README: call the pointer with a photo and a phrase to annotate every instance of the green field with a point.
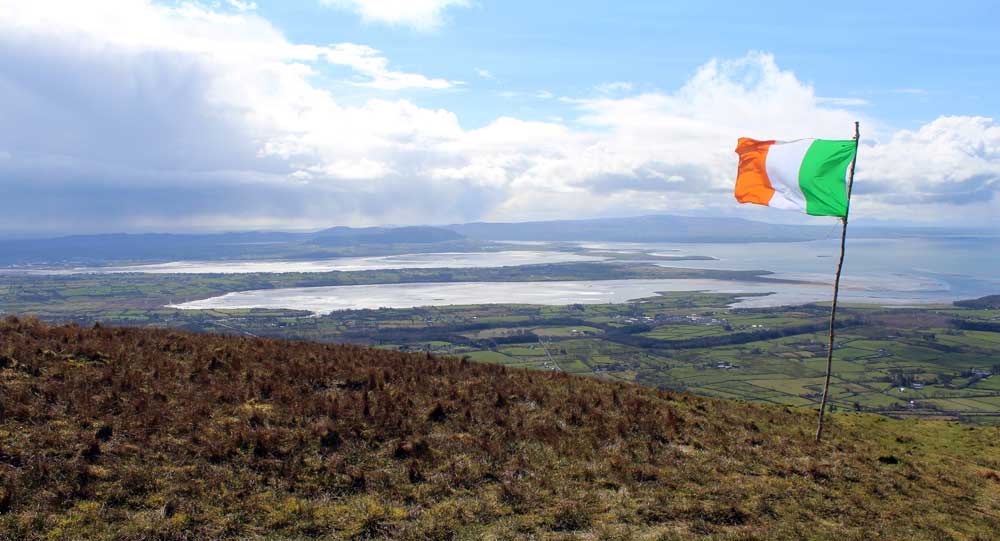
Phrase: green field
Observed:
(682, 341)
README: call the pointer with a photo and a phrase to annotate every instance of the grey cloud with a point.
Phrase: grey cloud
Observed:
(140, 109)
(62, 200)
(972, 190)
(112, 132)
(656, 177)
(106, 138)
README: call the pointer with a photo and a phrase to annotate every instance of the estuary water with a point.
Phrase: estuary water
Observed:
(453, 260)
(934, 269)
(877, 271)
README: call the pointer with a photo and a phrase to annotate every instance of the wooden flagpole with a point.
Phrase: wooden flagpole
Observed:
(836, 286)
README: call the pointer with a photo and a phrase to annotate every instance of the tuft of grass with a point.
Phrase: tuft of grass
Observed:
(113, 433)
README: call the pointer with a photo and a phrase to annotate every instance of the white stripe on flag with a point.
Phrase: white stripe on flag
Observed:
(783, 163)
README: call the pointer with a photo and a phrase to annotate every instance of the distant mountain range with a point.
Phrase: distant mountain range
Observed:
(666, 228)
(340, 241)
(350, 236)
(644, 229)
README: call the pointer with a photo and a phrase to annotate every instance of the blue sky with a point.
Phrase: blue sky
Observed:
(909, 61)
(145, 115)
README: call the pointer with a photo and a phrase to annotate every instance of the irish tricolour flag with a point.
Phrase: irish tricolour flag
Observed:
(808, 175)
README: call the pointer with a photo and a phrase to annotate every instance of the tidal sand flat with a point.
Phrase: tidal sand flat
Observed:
(324, 300)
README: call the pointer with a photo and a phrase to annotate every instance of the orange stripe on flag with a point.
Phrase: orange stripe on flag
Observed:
(752, 184)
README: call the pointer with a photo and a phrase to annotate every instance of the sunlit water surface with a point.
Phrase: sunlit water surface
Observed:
(876, 271)
(454, 260)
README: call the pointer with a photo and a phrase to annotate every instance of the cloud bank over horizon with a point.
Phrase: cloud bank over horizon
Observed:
(128, 115)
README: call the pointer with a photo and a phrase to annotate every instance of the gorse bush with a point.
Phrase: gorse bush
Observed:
(120, 433)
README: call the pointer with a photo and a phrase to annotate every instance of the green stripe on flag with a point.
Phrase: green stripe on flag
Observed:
(822, 176)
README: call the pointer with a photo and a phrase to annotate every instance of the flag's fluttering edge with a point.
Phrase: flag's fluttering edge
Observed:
(809, 175)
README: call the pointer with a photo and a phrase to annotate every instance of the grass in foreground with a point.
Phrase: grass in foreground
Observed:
(112, 433)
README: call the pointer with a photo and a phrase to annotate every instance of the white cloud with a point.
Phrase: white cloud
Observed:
(522, 95)
(419, 14)
(241, 5)
(615, 87)
(370, 62)
(952, 160)
(128, 114)
(670, 152)
(843, 102)
(359, 169)
(484, 73)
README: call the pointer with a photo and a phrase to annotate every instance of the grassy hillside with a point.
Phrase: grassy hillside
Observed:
(149, 434)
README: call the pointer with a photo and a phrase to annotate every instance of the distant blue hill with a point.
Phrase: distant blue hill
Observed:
(666, 228)
(349, 236)
(140, 247)
(657, 228)
(339, 241)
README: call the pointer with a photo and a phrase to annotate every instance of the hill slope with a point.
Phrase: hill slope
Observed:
(348, 236)
(141, 433)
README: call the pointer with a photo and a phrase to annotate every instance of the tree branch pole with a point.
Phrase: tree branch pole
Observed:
(836, 286)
